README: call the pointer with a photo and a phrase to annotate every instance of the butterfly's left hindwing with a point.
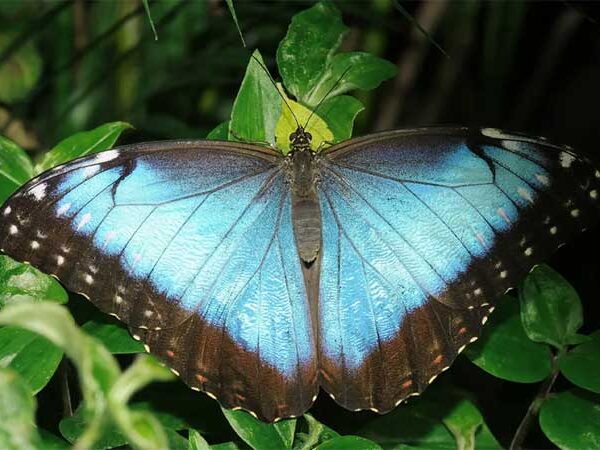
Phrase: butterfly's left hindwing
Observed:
(190, 244)
(422, 232)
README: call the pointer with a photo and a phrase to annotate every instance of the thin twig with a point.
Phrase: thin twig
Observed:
(429, 16)
(534, 408)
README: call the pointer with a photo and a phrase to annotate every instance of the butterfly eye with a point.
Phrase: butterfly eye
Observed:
(293, 136)
(308, 136)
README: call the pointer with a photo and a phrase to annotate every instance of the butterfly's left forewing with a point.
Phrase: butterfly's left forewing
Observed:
(190, 244)
(422, 231)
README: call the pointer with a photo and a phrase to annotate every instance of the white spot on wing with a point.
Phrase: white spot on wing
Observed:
(575, 213)
(502, 213)
(503, 274)
(566, 159)
(106, 156)
(528, 251)
(13, 229)
(594, 194)
(63, 209)
(84, 220)
(39, 192)
(35, 245)
(60, 260)
(118, 299)
(553, 230)
(91, 170)
(7, 210)
(543, 179)
(524, 193)
(88, 278)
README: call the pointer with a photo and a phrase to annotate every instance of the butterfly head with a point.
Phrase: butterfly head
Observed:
(300, 140)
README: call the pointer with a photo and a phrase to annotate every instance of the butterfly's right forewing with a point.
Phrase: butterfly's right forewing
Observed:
(191, 244)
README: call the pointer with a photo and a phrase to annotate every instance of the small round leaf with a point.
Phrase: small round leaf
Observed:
(505, 351)
(582, 364)
(571, 420)
(550, 308)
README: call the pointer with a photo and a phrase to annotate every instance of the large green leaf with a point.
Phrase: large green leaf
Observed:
(312, 38)
(571, 420)
(346, 72)
(260, 435)
(505, 351)
(30, 355)
(21, 282)
(582, 364)
(550, 308)
(17, 408)
(257, 107)
(20, 72)
(339, 114)
(15, 167)
(81, 144)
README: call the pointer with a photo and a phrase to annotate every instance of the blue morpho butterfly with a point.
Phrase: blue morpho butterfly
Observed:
(364, 268)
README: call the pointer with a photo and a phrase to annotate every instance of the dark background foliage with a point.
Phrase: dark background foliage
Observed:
(525, 66)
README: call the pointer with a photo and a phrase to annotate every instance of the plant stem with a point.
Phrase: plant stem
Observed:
(534, 407)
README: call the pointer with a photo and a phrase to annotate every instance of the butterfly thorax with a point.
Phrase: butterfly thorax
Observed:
(303, 174)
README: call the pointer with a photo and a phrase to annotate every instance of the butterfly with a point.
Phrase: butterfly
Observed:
(363, 268)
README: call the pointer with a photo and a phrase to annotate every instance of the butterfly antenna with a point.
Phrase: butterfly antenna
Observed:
(327, 95)
(276, 88)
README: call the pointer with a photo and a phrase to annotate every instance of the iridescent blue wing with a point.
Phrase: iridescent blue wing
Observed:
(423, 230)
(191, 244)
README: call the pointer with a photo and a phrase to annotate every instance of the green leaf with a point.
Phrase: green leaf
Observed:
(81, 144)
(51, 442)
(349, 71)
(73, 427)
(21, 282)
(149, 15)
(113, 335)
(425, 423)
(582, 364)
(464, 421)
(20, 72)
(339, 114)
(17, 408)
(15, 168)
(571, 420)
(34, 358)
(348, 443)
(288, 123)
(260, 435)
(312, 38)
(197, 442)
(97, 369)
(235, 20)
(505, 351)
(257, 106)
(220, 132)
(550, 308)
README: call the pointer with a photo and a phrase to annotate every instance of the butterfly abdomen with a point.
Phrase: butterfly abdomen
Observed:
(305, 206)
